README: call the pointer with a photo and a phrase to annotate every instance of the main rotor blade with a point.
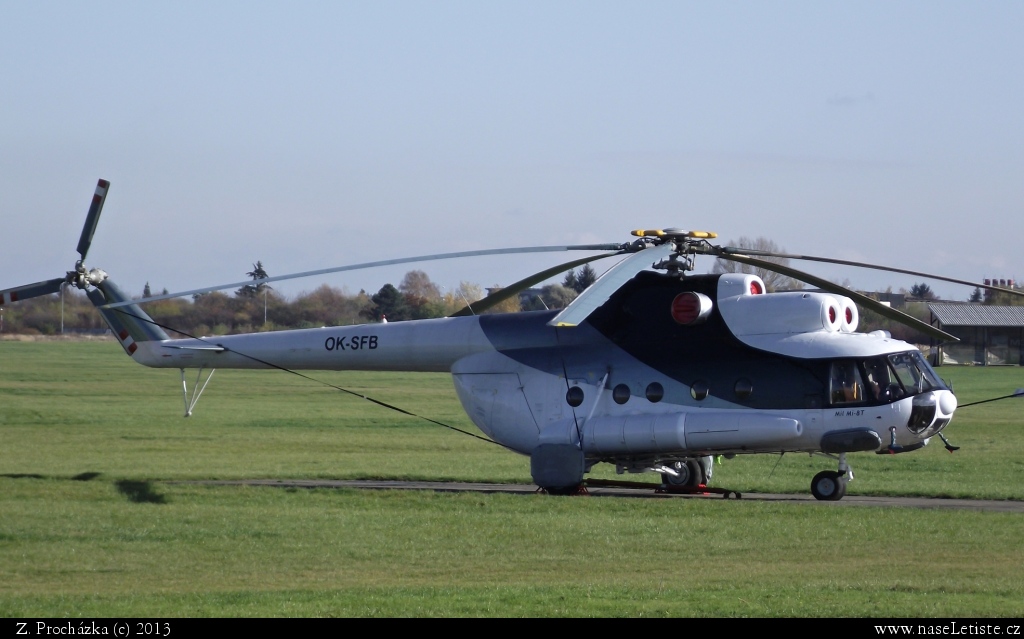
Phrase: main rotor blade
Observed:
(30, 290)
(498, 297)
(365, 265)
(864, 300)
(730, 250)
(599, 292)
(93, 218)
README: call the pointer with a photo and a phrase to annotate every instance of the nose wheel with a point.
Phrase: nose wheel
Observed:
(830, 485)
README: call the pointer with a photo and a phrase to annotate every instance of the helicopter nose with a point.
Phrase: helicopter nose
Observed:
(931, 412)
(947, 402)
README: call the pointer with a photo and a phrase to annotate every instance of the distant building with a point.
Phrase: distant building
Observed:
(895, 300)
(989, 335)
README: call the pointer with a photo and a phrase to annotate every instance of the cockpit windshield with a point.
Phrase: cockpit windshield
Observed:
(879, 380)
(914, 372)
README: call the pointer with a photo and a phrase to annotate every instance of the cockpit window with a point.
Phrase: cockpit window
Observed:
(880, 380)
(914, 372)
(847, 385)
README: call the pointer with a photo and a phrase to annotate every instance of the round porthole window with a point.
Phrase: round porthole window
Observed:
(574, 396)
(699, 390)
(620, 394)
(655, 392)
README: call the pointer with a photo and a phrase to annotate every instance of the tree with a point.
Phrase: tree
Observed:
(252, 290)
(387, 302)
(772, 280)
(214, 312)
(922, 292)
(418, 284)
(976, 297)
(146, 292)
(460, 298)
(557, 296)
(511, 305)
(422, 296)
(585, 278)
(325, 306)
(580, 281)
(570, 280)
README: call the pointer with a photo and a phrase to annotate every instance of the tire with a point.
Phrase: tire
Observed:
(828, 486)
(691, 475)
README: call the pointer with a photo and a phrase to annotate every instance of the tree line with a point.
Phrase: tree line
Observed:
(258, 307)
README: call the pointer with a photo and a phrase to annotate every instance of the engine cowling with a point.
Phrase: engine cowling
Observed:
(796, 312)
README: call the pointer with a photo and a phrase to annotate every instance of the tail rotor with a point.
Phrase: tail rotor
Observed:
(80, 276)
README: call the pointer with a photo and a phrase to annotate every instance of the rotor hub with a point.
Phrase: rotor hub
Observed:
(83, 279)
(687, 245)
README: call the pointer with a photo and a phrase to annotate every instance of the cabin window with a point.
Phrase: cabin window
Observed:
(699, 390)
(847, 385)
(655, 392)
(574, 396)
(744, 388)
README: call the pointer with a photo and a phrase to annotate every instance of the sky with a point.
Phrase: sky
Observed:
(308, 135)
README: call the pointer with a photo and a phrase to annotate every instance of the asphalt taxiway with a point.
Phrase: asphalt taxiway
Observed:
(634, 491)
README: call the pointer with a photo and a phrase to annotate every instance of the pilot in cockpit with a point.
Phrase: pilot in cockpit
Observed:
(846, 384)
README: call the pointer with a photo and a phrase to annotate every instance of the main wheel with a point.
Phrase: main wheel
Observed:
(691, 475)
(828, 486)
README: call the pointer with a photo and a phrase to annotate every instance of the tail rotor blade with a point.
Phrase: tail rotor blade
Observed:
(30, 290)
(93, 218)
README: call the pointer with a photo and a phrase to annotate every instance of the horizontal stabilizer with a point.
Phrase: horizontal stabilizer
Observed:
(215, 349)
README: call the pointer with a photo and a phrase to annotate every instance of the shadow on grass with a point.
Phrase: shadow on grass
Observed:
(86, 476)
(140, 492)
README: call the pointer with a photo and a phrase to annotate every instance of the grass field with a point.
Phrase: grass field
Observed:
(92, 522)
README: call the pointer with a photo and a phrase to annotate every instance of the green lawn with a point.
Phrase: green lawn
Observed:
(92, 523)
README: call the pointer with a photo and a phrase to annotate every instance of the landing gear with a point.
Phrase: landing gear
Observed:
(828, 485)
(197, 390)
(689, 474)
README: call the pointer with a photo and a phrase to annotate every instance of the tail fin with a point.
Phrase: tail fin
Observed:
(129, 323)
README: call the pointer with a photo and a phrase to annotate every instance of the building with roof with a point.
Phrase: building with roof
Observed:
(989, 335)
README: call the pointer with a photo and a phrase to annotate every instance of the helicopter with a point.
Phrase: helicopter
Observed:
(653, 368)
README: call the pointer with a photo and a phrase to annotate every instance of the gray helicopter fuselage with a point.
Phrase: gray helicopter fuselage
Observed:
(631, 382)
